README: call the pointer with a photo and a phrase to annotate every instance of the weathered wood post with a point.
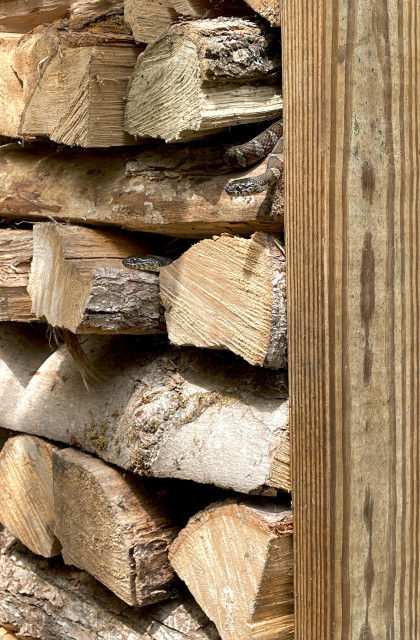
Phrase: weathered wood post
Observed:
(351, 87)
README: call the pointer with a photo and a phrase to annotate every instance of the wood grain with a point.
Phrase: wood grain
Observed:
(351, 78)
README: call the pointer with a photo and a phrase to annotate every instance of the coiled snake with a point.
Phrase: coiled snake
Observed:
(245, 155)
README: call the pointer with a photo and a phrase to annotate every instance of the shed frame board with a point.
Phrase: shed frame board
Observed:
(351, 116)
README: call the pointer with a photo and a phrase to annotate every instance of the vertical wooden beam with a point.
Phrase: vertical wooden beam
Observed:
(352, 105)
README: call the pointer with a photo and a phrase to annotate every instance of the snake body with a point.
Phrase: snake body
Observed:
(270, 141)
(147, 263)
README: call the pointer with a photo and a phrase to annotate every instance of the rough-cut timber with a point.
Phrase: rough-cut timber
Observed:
(236, 558)
(149, 19)
(170, 190)
(74, 86)
(352, 131)
(268, 9)
(100, 16)
(24, 15)
(26, 493)
(199, 415)
(77, 282)
(113, 526)
(202, 77)
(230, 293)
(16, 250)
(44, 599)
(11, 94)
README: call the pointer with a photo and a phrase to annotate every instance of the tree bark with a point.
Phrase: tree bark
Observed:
(78, 282)
(202, 77)
(168, 190)
(251, 600)
(74, 86)
(11, 97)
(44, 599)
(148, 20)
(16, 249)
(230, 293)
(26, 493)
(114, 526)
(99, 16)
(20, 17)
(161, 412)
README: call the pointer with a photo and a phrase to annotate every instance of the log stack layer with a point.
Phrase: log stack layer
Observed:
(144, 477)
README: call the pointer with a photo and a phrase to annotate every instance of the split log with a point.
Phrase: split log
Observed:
(268, 9)
(202, 77)
(169, 190)
(100, 16)
(236, 558)
(24, 15)
(26, 493)
(113, 526)
(16, 250)
(230, 293)
(6, 634)
(78, 282)
(203, 416)
(149, 19)
(11, 95)
(44, 599)
(74, 86)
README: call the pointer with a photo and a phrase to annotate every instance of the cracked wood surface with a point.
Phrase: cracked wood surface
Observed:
(154, 410)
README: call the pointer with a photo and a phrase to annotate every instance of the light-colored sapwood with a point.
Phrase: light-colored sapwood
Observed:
(16, 250)
(236, 558)
(149, 19)
(26, 493)
(114, 526)
(24, 15)
(74, 86)
(199, 415)
(230, 293)
(168, 190)
(11, 94)
(268, 9)
(48, 600)
(203, 76)
(78, 282)
(100, 16)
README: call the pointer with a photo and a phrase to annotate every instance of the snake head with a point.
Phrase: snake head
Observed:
(244, 187)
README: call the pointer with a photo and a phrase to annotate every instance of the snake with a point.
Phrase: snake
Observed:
(269, 141)
(147, 263)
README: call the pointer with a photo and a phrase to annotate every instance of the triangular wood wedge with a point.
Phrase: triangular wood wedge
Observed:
(23, 15)
(230, 293)
(202, 77)
(26, 493)
(236, 558)
(113, 526)
(74, 86)
(78, 282)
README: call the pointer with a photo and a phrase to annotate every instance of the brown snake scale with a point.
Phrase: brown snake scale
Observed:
(270, 141)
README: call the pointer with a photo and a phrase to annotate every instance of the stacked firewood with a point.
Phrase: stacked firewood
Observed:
(144, 438)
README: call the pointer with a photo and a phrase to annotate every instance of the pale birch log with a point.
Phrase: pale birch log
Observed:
(230, 293)
(74, 86)
(16, 250)
(169, 190)
(149, 19)
(114, 526)
(45, 600)
(236, 558)
(78, 282)
(26, 493)
(24, 15)
(11, 94)
(203, 416)
(202, 77)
